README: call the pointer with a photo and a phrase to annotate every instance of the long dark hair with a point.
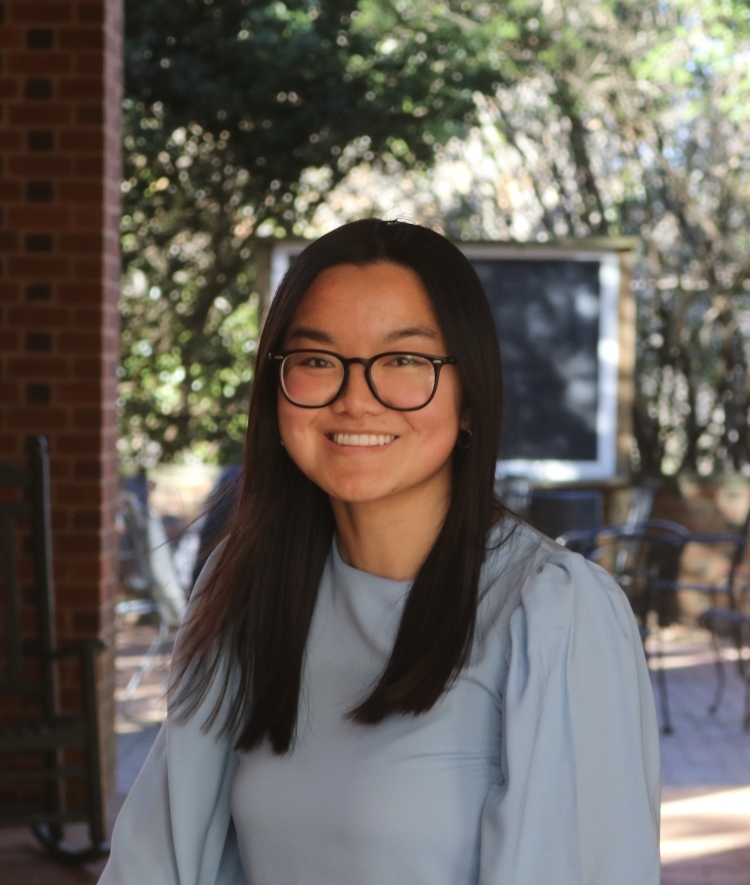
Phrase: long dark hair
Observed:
(250, 623)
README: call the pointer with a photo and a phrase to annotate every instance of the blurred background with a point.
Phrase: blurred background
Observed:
(158, 157)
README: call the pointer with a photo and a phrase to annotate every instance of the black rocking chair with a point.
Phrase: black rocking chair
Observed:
(34, 733)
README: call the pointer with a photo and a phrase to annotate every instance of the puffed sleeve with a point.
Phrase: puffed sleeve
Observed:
(175, 827)
(578, 803)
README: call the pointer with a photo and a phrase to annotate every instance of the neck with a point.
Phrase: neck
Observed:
(392, 537)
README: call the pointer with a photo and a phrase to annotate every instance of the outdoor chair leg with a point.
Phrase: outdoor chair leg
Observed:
(742, 666)
(666, 719)
(720, 677)
(149, 659)
(53, 839)
(661, 678)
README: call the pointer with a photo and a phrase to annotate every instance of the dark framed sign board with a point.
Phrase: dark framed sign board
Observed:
(565, 323)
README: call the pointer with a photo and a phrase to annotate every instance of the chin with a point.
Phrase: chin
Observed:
(358, 494)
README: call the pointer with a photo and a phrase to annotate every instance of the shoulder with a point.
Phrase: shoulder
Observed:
(555, 595)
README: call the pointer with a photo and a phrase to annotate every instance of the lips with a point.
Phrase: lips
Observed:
(362, 439)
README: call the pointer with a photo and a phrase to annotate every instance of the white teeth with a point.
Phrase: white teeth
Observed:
(362, 439)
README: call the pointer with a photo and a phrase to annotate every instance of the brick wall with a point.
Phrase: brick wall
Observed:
(60, 87)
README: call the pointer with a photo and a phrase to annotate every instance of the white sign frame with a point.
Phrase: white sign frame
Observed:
(546, 470)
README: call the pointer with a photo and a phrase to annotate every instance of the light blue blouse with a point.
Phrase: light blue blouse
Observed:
(540, 766)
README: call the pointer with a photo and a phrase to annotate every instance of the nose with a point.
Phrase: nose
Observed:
(357, 398)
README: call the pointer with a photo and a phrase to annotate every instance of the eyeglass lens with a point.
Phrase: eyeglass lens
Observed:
(402, 381)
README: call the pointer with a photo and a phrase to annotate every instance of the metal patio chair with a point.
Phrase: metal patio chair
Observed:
(728, 616)
(148, 571)
(644, 558)
(35, 734)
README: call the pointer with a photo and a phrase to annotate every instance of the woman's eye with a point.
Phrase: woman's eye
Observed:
(317, 363)
(406, 360)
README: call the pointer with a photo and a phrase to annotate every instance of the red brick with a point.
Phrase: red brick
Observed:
(11, 38)
(89, 63)
(85, 368)
(36, 63)
(91, 12)
(87, 418)
(88, 470)
(39, 115)
(89, 115)
(85, 571)
(33, 367)
(78, 494)
(25, 11)
(9, 291)
(87, 270)
(80, 392)
(10, 190)
(10, 392)
(81, 191)
(9, 140)
(87, 520)
(43, 166)
(79, 444)
(8, 88)
(42, 217)
(59, 520)
(37, 266)
(84, 540)
(8, 241)
(81, 140)
(86, 88)
(90, 318)
(89, 216)
(8, 445)
(80, 342)
(89, 166)
(87, 623)
(79, 543)
(9, 340)
(81, 242)
(82, 38)
(59, 468)
(81, 293)
(37, 419)
(41, 316)
(72, 596)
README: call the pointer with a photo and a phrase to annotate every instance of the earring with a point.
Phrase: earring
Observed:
(464, 439)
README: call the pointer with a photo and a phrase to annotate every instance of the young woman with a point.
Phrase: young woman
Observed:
(384, 678)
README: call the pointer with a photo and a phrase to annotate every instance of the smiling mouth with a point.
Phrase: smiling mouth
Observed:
(362, 439)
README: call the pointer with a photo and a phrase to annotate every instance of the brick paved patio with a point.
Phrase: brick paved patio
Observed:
(705, 770)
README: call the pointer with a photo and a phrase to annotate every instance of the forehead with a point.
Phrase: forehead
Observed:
(378, 297)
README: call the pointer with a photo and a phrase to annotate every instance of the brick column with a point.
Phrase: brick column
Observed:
(60, 90)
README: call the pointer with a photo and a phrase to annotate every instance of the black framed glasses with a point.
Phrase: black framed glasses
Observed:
(398, 380)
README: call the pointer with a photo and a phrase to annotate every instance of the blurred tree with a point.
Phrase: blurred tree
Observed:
(633, 117)
(532, 120)
(241, 115)
(635, 121)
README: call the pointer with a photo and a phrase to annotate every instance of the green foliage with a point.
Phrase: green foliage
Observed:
(526, 120)
(632, 119)
(240, 117)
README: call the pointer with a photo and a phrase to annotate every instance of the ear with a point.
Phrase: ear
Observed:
(464, 422)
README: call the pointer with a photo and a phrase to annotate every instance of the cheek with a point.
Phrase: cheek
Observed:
(292, 422)
(438, 427)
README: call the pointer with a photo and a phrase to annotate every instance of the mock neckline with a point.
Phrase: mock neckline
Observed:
(351, 574)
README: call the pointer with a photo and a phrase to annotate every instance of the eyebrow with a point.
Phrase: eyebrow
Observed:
(411, 332)
(321, 337)
(311, 334)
